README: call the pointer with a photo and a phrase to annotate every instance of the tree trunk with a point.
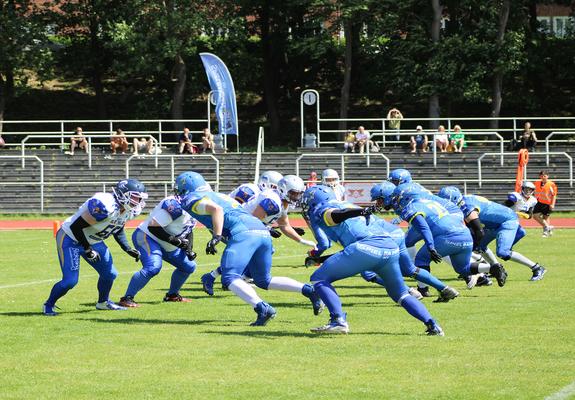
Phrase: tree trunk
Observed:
(179, 79)
(97, 67)
(498, 71)
(346, 87)
(271, 71)
(2, 100)
(434, 108)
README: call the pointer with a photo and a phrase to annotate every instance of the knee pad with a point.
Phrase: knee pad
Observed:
(109, 276)
(368, 276)
(400, 300)
(187, 268)
(151, 272)
(69, 283)
(263, 283)
(504, 255)
(414, 273)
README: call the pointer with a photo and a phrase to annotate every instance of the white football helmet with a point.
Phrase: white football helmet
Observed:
(330, 177)
(269, 180)
(527, 188)
(291, 189)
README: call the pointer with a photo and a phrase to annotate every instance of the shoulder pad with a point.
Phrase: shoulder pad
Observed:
(269, 206)
(173, 207)
(97, 209)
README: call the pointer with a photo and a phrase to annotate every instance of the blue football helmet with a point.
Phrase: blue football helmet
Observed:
(399, 176)
(131, 195)
(382, 194)
(452, 194)
(315, 196)
(190, 181)
(405, 193)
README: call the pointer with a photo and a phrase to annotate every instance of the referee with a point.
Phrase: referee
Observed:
(546, 195)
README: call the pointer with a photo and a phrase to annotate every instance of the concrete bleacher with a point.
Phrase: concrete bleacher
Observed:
(69, 181)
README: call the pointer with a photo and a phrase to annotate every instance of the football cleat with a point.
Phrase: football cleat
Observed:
(49, 310)
(315, 302)
(538, 273)
(484, 280)
(433, 328)
(471, 280)
(335, 325)
(499, 273)
(424, 291)
(265, 313)
(415, 293)
(447, 294)
(109, 305)
(208, 283)
(128, 301)
(176, 298)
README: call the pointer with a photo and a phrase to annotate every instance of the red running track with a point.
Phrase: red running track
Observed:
(299, 222)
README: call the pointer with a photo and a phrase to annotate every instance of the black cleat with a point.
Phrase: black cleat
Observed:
(499, 273)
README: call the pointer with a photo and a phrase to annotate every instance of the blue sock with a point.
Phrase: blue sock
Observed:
(219, 269)
(416, 308)
(104, 287)
(178, 279)
(329, 297)
(424, 276)
(58, 291)
(138, 281)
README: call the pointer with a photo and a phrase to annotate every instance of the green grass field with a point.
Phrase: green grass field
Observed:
(514, 342)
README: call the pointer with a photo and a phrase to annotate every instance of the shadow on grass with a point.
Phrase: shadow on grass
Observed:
(136, 321)
(39, 313)
(271, 334)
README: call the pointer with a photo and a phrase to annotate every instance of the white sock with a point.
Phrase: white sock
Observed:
(483, 267)
(475, 257)
(521, 259)
(285, 284)
(412, 252)
(448, 260)
(215, 273)
(489, 256)
(245, 292)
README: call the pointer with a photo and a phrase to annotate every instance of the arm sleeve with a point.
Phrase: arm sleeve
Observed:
(419, 223)
(340, 215)
(476, 231)
(77, 229)
(160, 233)
(508, 203)
(122, 240)
(323, 242)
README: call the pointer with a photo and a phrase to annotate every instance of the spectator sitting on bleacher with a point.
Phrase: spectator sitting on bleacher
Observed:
(207, 141)
(143, 145)
(78, 140)
(441, 139)
(349, 144)
(185, 141)
(457, 139)
(528, 139)
(119, 141)
(419, 141)
(394, 117)
(362, 138)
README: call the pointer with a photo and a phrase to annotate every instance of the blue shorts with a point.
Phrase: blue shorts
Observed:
(458, 247)
(506, 235)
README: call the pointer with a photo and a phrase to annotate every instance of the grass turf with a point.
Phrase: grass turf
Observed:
(512, 342)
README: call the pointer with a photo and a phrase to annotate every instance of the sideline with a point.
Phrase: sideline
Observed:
(302, 256)
(565, 393)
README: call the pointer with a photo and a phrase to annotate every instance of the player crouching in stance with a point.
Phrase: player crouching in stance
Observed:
(366, 247)
(165, 235)
(83, 235)
(248, 245)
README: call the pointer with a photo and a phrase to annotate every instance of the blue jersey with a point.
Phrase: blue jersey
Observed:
(350, 230)
(491, 214)
(439, 219)
(236, 219)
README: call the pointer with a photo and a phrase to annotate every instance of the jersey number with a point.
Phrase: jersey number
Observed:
(107, 231)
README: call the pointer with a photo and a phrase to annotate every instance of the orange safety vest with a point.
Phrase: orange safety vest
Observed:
(545, 193)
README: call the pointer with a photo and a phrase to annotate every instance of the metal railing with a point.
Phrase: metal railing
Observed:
(569, 158)
(172, 165)
(548, 139)
(30, 183)
(342, 160)
(260, 150)
(24, 143)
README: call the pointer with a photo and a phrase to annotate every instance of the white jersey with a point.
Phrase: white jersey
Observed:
(245, 192)
(270, 201)
(170, 215)
(106, 211)
(339, 191)
(521, 204)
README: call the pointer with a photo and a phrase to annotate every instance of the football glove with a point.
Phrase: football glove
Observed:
(435, 256)
(211, 246)
(299, 231)
(92, 255)
(134, 254)
(275, 233)
(191, 254)
(367, 211)
(182, 243)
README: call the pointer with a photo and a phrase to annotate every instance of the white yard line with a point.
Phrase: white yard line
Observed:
(119, 273)
(565, 393)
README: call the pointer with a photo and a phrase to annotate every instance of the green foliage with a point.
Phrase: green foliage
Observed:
(206, 350)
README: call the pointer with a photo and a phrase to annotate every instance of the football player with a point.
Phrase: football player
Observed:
(330, 178)
(399, 176)
(248, 245)
(524, 202)
(166, 235)
(82, 236)
(366, 247)
(500, 224)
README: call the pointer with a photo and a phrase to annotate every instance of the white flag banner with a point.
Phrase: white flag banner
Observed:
(358, 192)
